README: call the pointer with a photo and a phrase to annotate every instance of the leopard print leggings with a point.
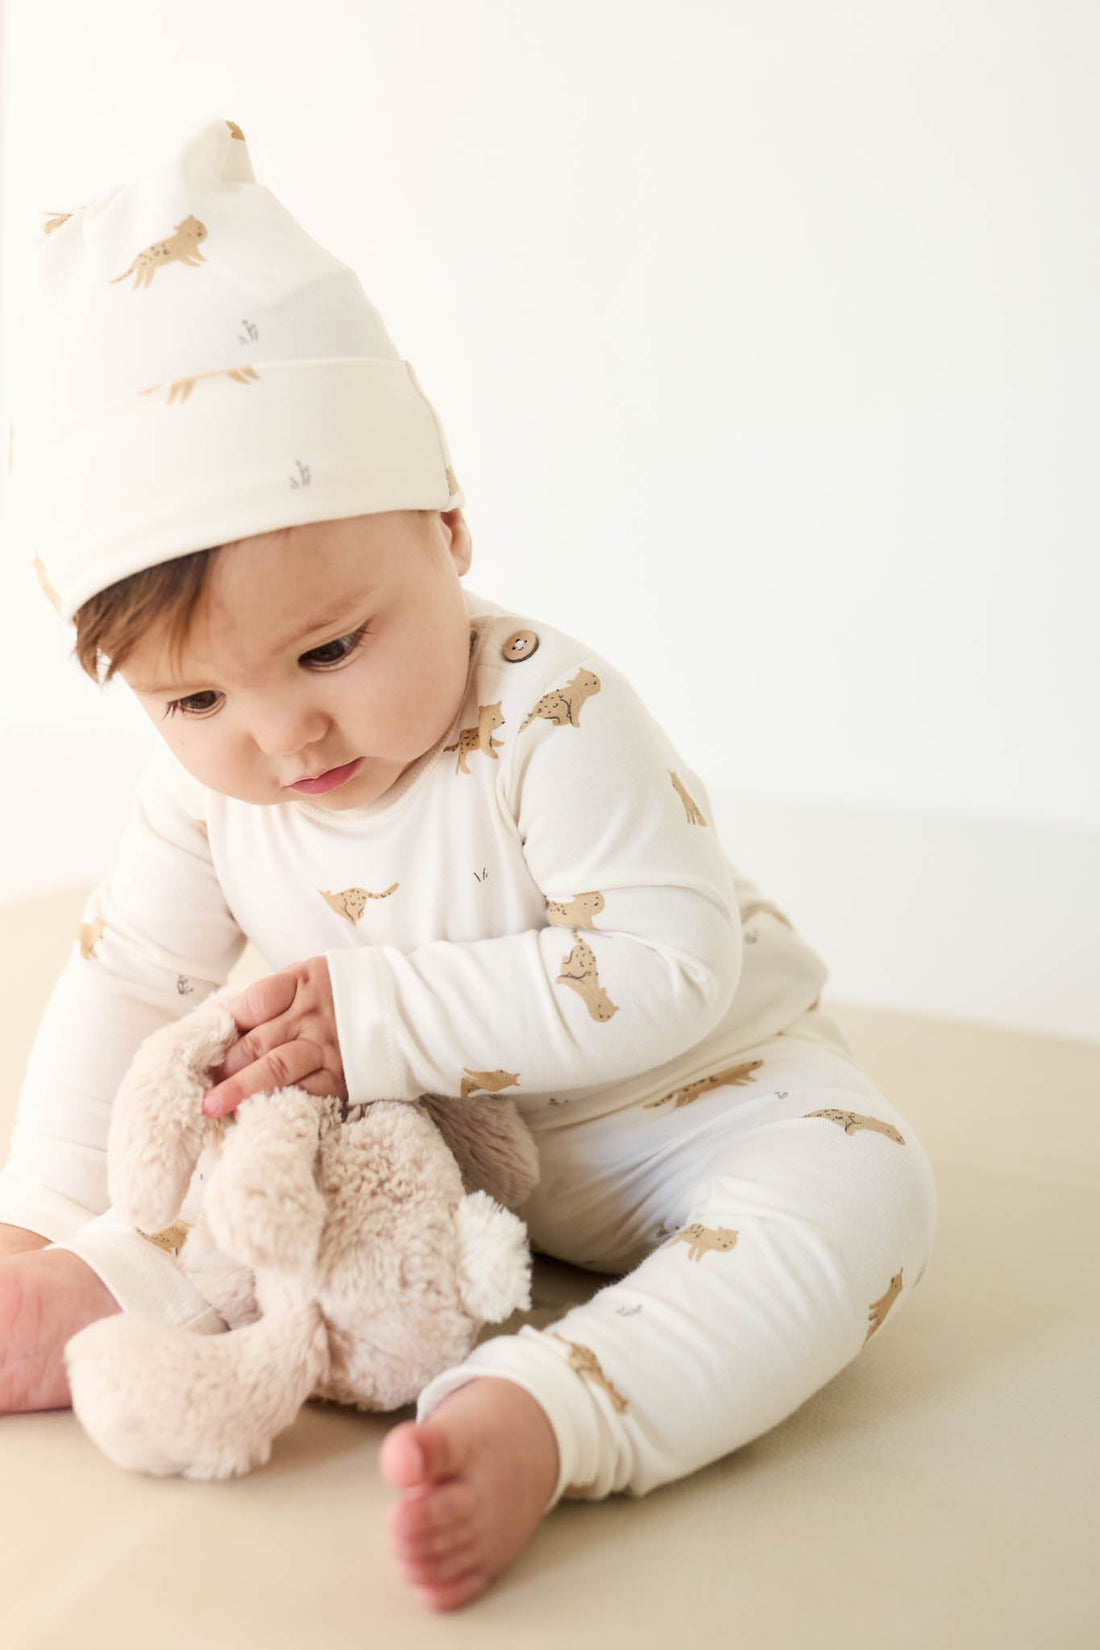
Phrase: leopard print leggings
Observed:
(757, 1237)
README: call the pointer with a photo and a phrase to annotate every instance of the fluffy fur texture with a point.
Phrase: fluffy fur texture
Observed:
(352, 1250)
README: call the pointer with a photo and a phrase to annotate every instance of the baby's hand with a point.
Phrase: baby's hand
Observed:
(290, 1020)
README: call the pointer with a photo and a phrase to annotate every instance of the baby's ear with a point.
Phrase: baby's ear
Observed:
(157, 1130)
(494, 1264)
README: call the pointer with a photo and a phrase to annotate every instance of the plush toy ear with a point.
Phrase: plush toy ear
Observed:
(157, 1130)
(494, 1266)
(490, 1142)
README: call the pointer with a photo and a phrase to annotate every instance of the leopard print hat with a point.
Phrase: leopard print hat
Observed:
(193, 367)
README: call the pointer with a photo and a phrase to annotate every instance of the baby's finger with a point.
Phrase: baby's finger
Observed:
(251, 1047)
(263, 1000)
(275, 1070)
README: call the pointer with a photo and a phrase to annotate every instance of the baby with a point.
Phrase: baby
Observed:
(474, 859)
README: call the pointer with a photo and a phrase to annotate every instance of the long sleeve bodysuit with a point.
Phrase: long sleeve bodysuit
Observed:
(539, 907)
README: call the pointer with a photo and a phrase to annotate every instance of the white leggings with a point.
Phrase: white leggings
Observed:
(768, 1228)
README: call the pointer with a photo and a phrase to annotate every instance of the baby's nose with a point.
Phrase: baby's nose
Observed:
(289, 732)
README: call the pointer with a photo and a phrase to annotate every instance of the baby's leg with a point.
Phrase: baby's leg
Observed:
(773, 1244)
(16, 1240)
(51, 1291)
(46, 1296)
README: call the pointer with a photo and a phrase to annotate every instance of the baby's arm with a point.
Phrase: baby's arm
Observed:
(155, 939)
(641, 949)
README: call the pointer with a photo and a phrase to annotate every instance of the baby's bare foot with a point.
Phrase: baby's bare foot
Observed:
(46, 1295)
(476, 1477)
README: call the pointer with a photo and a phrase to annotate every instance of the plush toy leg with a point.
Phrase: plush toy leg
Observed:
(262, 1201)
(491, 1143)
(228, 1286)
(164, 1400)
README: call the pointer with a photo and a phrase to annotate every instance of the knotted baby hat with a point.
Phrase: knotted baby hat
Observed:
(195, 368)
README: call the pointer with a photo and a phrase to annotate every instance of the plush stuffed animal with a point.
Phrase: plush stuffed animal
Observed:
(353, 1250)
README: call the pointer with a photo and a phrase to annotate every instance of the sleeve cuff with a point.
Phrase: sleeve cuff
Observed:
(364, 998)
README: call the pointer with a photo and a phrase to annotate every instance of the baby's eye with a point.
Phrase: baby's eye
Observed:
(352, 640)
(190, 705)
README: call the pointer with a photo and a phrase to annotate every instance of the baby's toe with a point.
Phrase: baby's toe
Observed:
(415, 1452)
(442, 1567)
(451, 1595)
(429, 1523)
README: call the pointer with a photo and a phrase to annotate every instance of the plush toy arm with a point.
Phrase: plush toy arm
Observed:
(494, 1267)
(490, 1142)
(262, 1203)
(157, 1130)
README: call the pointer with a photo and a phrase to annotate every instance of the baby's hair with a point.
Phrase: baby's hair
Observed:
(115, 621)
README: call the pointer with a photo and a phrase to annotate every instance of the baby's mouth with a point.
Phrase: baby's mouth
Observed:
(328, 780)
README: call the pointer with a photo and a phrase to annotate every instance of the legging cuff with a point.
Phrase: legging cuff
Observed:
(144, 1279)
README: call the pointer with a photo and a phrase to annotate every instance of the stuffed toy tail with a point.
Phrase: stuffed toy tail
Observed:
(494, 1265)
(163, 1400)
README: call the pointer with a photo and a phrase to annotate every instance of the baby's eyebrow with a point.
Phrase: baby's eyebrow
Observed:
(318, 624)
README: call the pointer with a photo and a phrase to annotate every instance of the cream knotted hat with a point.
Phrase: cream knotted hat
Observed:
(196, 368)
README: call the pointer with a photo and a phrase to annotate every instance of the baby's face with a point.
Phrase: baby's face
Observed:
(272, 687)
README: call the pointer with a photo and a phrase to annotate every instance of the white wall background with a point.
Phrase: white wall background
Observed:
(766, 342)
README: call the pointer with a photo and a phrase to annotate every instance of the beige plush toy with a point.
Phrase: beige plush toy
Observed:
(353, 1250)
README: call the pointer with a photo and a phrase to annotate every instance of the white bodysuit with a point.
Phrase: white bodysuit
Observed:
(539, 907)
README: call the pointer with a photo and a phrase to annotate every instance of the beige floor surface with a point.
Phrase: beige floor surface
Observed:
(941, 1491)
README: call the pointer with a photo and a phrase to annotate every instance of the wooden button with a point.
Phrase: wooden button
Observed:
(520, 645)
